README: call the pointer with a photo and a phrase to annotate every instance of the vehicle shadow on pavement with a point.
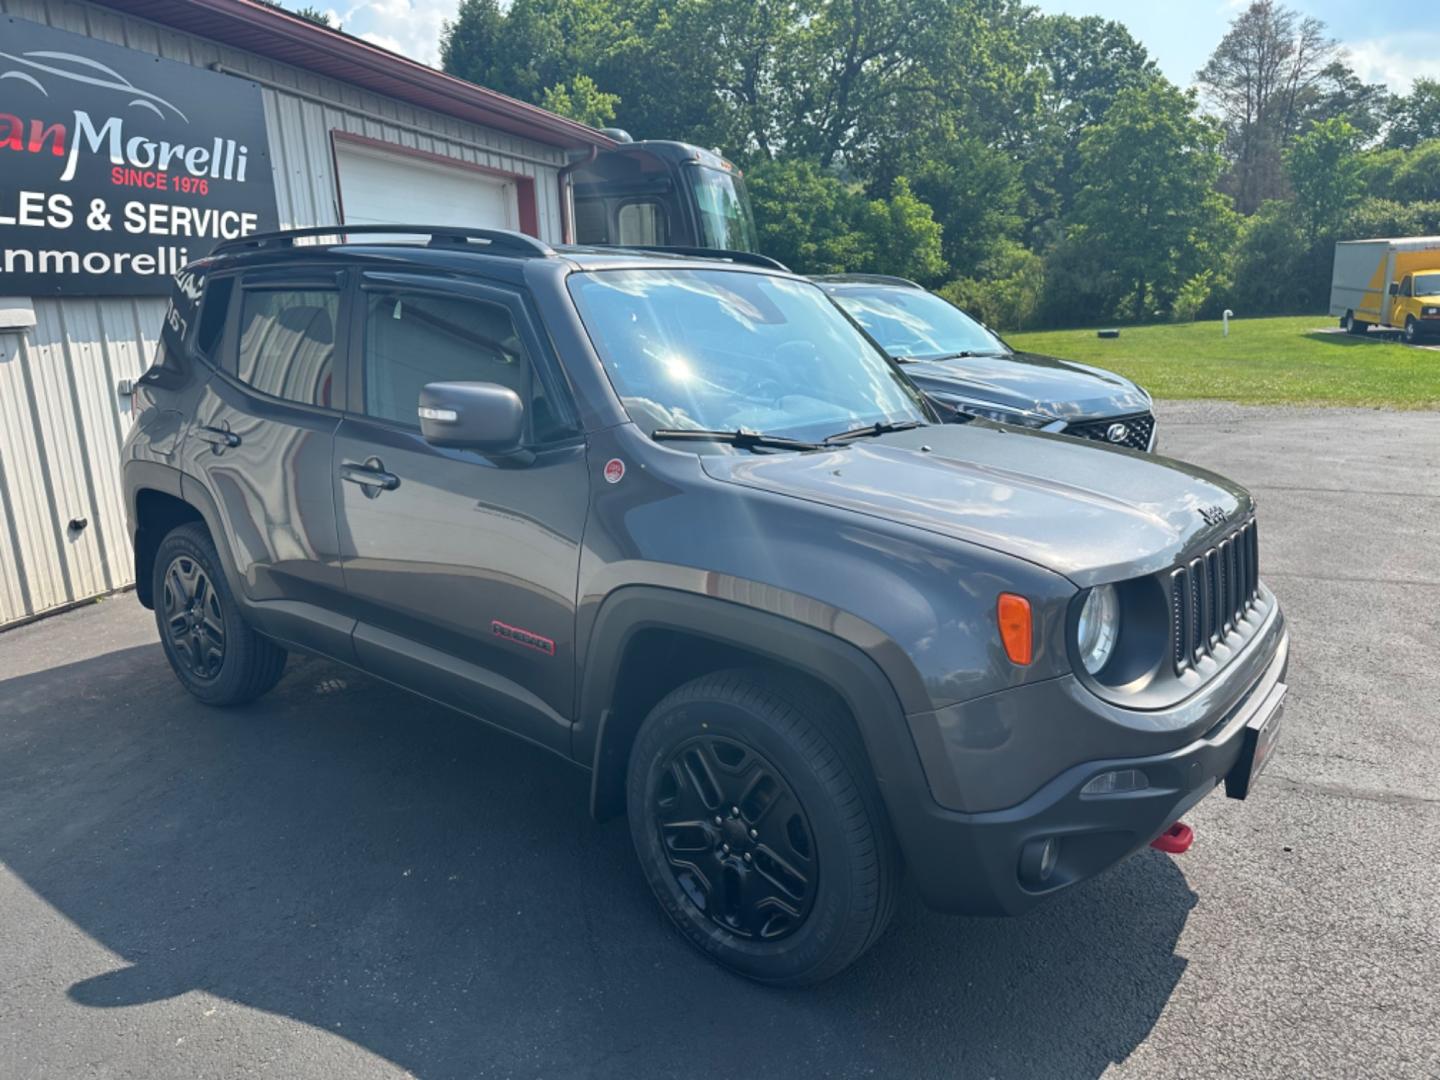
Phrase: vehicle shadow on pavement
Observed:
(351, 857)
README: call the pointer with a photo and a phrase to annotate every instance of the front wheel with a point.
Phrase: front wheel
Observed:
(759, 828)
(213, 651)
(1411, 330)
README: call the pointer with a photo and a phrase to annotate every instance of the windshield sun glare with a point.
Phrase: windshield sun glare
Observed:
(725, 350)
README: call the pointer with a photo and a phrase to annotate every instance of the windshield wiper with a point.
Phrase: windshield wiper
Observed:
(963, 354)
(745, 440)
(883, 427)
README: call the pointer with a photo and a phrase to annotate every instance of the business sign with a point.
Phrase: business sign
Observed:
(117, 167)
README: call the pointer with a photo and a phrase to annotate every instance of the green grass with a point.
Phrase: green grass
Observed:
(1281, 361)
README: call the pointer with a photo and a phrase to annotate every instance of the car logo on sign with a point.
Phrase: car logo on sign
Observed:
(1117, 433)
(1213, 515)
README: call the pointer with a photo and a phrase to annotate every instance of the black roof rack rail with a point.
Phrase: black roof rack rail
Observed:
(440, 236)
(862, 279)
(748, 257)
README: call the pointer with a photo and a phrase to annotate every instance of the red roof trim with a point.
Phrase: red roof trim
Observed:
(279, 35)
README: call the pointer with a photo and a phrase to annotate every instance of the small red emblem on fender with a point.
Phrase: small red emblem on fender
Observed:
(614, 471)
(522, 637)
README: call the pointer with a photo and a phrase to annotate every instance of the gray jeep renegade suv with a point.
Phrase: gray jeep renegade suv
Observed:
(677, 520)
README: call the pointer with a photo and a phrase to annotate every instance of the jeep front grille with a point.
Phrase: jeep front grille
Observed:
(1139, 430)
(1212, 593)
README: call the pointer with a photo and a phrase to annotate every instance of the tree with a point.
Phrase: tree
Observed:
(1327, 175)
(977, 191)
(1147, 209)
(1417, 179)
(580, 99)
(1269, 262)
(1259, 77)
(904, 236)
(471, 44)
(1415, 117)
(314, 14)
(1341, 94)
(817, 223)
(1086, 63)
(1006, 290)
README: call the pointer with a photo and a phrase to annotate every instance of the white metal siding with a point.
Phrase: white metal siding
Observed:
(61, 418)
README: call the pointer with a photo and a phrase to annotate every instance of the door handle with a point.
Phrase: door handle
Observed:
(219, 438)
(371, 476)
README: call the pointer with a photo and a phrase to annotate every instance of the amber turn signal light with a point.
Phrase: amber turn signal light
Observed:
(1016, 631)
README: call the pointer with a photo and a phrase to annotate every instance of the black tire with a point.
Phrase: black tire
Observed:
(1353, 325)
(1412, 332)
(212, 650)
(818, 914)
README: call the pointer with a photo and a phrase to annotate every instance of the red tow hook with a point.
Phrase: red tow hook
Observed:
(1175, 840)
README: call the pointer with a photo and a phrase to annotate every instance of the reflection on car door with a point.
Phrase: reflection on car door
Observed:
(262, 442)
(461, 568)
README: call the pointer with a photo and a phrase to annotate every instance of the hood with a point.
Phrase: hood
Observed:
(1086, 510)
(1057, 388)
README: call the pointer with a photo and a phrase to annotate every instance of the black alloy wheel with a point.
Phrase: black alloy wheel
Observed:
(759, 826)
(736, 838)
(214, 652)
(194, 618)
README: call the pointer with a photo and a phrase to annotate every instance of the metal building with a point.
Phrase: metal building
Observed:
(351, 134)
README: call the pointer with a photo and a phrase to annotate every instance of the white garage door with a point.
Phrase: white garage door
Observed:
(377, 188)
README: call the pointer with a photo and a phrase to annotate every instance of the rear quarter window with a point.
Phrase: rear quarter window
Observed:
(287, 343)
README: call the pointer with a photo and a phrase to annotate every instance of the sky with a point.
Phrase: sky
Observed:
(1391, 43)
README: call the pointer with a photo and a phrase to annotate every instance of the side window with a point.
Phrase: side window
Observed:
(287, 343)
(590, 224)
(213, 309)
(642, 223)
(412, 339)
(1405, 286)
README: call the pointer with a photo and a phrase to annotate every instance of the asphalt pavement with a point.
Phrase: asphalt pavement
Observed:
(342, 880)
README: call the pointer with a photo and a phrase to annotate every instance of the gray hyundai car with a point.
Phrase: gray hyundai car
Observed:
(678, 521)
(967, 367)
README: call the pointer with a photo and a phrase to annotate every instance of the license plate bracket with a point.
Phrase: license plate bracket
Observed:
(1259, 738)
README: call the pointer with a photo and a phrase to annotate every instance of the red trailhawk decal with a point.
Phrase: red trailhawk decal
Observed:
(614, 470)
(538, 642)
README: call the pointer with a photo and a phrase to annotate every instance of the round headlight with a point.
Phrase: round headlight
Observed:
(1099, 627)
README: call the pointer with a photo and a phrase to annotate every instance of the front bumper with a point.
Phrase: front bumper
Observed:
(971, 862)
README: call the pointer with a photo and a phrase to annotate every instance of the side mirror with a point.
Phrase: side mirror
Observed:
(1394, 288)
(472, 416)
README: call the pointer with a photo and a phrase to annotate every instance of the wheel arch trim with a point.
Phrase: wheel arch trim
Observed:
(602, 739)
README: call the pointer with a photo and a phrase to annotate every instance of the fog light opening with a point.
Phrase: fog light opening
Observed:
(1117, 782)
(1038, 859)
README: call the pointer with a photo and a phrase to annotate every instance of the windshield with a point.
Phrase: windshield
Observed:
(725, 220)
(722, 349)
(1427, 284)
(912, 324)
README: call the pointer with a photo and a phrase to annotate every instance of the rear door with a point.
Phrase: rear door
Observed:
(262, 441)
(460, 568)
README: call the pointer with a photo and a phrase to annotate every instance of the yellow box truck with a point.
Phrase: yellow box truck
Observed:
(1391, 284)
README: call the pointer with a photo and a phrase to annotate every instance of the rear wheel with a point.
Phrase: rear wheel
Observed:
(1353, 325)
(212, 650)
(759, 828)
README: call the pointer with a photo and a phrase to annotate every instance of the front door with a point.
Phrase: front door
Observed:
(461, 568)
(262, 442)
(1400, 303)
